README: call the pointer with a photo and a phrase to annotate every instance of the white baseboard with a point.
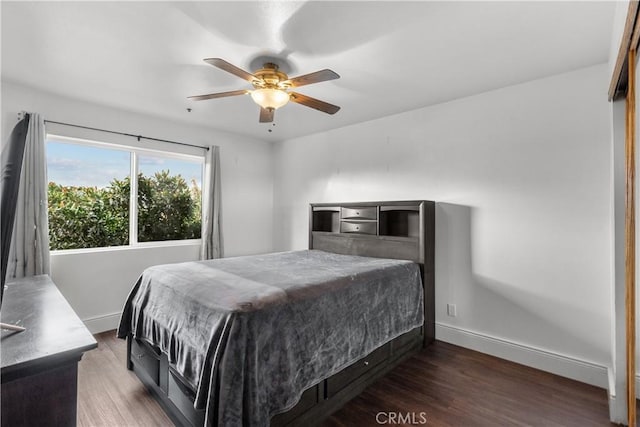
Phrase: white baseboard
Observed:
(566, 366)
(103, 323)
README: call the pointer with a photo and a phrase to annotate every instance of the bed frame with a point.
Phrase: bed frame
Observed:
(399, 230)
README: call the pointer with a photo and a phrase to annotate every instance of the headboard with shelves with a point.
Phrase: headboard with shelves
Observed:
(390, 229)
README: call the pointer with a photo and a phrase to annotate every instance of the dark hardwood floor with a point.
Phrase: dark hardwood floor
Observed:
(444, 385)
(454, 386)
(109, 394)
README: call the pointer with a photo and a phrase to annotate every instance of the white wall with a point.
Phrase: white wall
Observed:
(96, 284)
(617, 31)
(523, 222)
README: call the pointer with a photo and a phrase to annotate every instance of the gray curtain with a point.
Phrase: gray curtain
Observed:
(211, 207)
(29, 253)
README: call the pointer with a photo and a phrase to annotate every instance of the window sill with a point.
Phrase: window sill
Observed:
(137, 246)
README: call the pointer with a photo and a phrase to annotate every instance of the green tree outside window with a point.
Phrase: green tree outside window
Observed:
(91, 217)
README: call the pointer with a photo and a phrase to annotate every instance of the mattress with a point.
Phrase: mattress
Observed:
(250, 334)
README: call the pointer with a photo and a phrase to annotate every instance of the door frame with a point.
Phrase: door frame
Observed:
(623, 84)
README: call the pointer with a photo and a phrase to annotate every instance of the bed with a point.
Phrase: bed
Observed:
(286, 338)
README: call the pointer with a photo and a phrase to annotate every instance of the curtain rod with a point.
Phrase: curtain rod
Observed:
(139, 137)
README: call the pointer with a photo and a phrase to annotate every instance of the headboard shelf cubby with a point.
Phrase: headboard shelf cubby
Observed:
(394, 229)
(326, 218)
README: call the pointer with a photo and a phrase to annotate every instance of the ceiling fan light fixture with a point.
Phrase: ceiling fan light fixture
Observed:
(270, 98)
(271, 86)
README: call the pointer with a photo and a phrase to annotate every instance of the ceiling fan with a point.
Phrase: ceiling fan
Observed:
(271, 88)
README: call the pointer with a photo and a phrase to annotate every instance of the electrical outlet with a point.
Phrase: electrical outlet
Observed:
(451, 310)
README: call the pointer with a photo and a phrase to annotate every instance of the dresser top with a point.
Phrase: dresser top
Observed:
(53, 328)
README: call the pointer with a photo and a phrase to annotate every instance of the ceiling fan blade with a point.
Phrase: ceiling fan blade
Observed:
(307, 101)
(266, 115)
(230, 68)
(317, 77)
(219, 95)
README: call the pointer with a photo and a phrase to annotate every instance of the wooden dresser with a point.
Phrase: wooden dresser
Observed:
(39, 371)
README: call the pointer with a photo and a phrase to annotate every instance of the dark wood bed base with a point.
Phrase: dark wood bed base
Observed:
(399, 230)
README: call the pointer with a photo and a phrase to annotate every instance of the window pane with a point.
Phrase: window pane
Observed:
(169, 198)
(88, 196)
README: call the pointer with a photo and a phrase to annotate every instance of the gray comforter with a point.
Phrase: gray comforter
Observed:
(250, 334)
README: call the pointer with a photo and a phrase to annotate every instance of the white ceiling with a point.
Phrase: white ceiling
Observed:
(391, 56)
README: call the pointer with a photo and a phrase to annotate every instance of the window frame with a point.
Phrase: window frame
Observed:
(133, 191)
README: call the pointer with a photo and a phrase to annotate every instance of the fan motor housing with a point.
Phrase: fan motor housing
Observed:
(270, 77)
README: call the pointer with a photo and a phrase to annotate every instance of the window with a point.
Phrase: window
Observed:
(102, 195)
(169, 203)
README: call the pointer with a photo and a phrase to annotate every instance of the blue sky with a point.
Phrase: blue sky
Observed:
(82, 165)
